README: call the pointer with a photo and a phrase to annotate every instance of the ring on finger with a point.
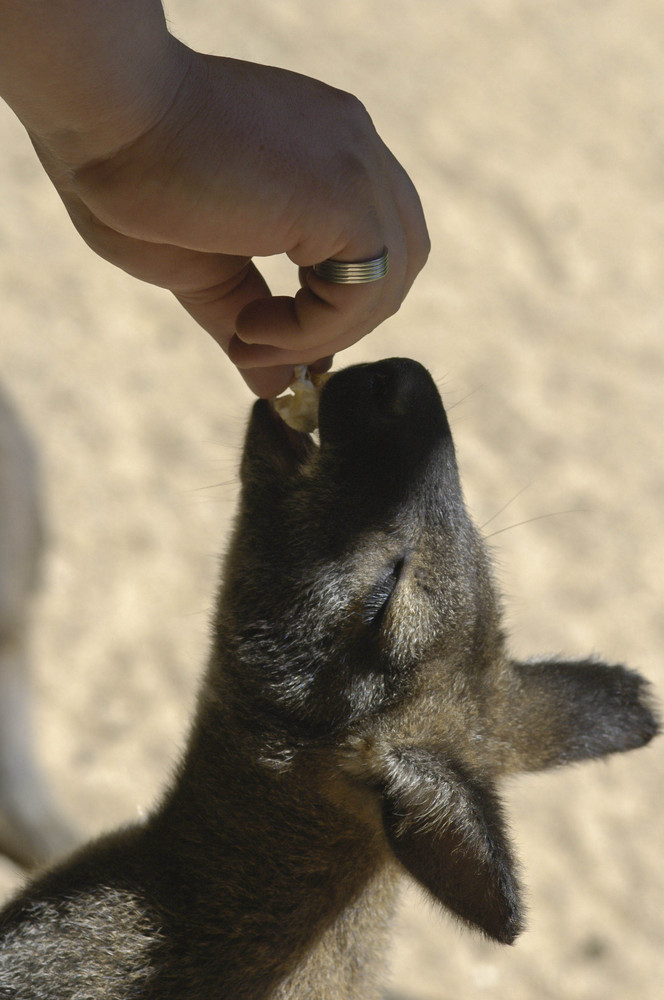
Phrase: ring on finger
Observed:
(344, 272)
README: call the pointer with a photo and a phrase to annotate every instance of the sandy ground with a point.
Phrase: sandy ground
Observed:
(535, 134)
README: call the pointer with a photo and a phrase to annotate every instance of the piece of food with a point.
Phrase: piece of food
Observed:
(299, 407)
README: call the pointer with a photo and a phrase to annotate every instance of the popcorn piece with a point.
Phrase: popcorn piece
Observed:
(299, 408)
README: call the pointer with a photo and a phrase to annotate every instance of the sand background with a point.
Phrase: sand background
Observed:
(535, 134)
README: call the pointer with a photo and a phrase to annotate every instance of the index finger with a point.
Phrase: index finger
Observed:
(320, 313)
(324, 313)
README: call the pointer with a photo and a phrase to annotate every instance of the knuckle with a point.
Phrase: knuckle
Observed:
(355, 114)
(423, 251)
(356, 162)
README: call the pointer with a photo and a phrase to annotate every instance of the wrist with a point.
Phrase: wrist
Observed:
(87, 78)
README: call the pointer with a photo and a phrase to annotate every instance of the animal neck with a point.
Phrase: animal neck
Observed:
(279, 869)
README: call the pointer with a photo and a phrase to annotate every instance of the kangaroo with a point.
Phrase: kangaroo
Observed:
(358, 712)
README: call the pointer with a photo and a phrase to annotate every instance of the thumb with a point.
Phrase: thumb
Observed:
(216, 307)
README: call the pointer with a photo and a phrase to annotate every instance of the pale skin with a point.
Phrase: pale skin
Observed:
(180, 168)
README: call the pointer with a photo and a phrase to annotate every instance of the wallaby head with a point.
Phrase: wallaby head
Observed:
(363, 617)
(358, 713)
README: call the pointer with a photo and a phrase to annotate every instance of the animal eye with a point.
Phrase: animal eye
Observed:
(375, 605)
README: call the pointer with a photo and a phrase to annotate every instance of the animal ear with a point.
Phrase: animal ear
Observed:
(447, 831)
(562, 711)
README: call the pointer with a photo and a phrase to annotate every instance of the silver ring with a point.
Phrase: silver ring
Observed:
(344, 272)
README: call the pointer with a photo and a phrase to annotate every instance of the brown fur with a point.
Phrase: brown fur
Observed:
(359, 710)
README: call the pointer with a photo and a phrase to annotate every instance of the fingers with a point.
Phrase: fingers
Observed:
(363, 202)
(268, 382)
(411, 214)
(202, 281)
(324, 317)
(215, 307)
(215, 303)
(271, 381)
(319, 313)
(213, 288)
(247, 356)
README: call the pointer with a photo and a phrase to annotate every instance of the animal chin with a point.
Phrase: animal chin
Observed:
(296, 444)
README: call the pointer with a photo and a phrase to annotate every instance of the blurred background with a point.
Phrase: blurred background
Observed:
(535, 135)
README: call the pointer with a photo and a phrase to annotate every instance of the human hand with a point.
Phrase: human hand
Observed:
(248, 161)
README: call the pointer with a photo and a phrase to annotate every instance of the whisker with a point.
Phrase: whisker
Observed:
(200, 611)
(539, 517)
(472, 392)
(214, 486)
(506, 505)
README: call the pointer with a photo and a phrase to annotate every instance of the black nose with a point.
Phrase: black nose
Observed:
(367, 406)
